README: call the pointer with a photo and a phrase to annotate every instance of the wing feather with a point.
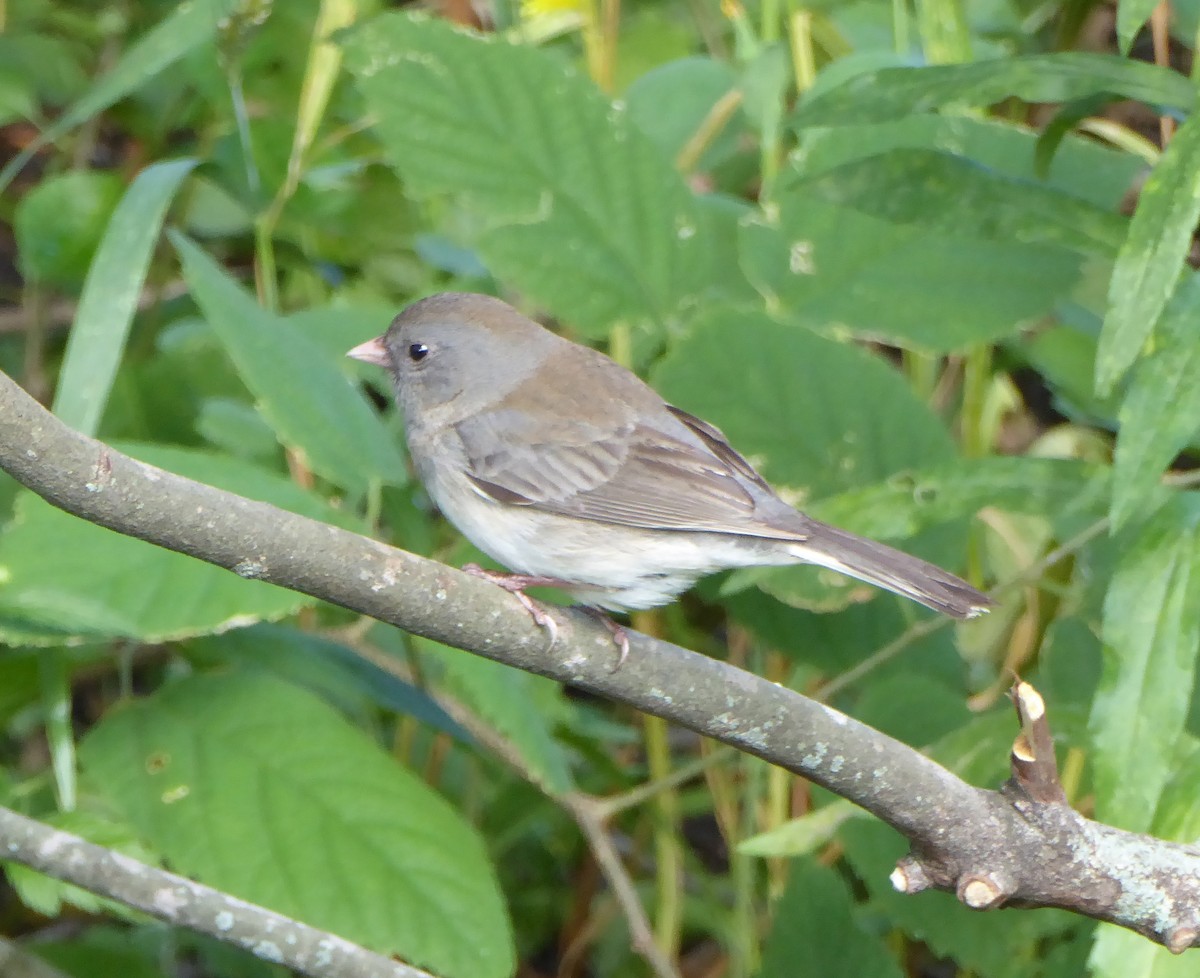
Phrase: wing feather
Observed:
(680, 474)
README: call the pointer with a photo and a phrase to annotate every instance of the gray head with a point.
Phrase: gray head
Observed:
(457, 346)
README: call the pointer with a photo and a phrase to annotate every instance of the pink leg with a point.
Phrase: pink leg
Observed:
(515, 585)
(615, 629)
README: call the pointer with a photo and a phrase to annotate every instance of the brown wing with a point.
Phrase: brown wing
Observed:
(679, 475)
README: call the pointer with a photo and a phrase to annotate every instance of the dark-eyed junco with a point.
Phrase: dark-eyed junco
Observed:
(572, 472)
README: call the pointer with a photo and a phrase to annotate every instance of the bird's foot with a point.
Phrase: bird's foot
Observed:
(515, 585)
(619, 636)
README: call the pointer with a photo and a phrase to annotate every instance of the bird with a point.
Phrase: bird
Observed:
(572, 472)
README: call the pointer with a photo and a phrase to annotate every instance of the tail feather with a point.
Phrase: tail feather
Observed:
(892, 570)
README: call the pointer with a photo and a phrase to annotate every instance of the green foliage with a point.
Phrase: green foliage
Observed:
(53, 591)
(935, 303)
(58, 225)
(1152, 256)
(302, 395)
(581, 210)
(370, 852)
(816, 933)
(110, 294)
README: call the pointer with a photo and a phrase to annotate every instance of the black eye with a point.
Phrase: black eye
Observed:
(418, 352)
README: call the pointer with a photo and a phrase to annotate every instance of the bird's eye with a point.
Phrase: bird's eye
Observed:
(418, 352)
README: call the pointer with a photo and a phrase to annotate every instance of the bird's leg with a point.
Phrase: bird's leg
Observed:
(515, 584)
(619, 636)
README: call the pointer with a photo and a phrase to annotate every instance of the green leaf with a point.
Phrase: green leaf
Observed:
(187, 27)
(303, 394)
(948, 192)
(520, 707)
(815, 415)
(1161, 411)
(1001, 944)
(1120, 953)
(49, 64)
(815, 931)
(19, 682)
(339, 674)
(62, 577)
(17, 98)
(1065, 355)
(886, 94)
(58, 225)
(1153, 255)
(586, 213)
(1178, 815)
(101, 951)
(930, 288)
(886, 705)
(805, 835)
(1131, 17)
(262, 790)
(1151, 633)
(1068, 492)
(671, 103)
(236, 428)
(110, 295)
(1081, 168)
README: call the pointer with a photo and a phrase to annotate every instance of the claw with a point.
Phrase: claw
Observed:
(515, 585)
(619, 636)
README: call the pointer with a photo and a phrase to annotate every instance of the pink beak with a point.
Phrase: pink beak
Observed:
(372, 351)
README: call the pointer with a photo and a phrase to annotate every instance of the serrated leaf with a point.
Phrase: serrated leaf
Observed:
(1153, 255)
(1161, 411)
(110, 295)
(949, 192)
(815, 931)
(1151, 632)
(262, 790)
(587, 214)
(64, 578)
(303, 394)
(1081, 167)
(519, 706)
(187, 27)
(342, 676)
(884, 95)
(840, 269)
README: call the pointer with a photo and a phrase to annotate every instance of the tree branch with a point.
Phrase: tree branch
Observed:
(264, 933)
(988, 847)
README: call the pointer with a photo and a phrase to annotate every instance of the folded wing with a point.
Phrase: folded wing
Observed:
(680, 474)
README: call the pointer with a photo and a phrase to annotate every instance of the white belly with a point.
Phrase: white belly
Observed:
(605, 565)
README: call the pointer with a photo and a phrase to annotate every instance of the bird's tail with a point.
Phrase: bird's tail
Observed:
(891, 569)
